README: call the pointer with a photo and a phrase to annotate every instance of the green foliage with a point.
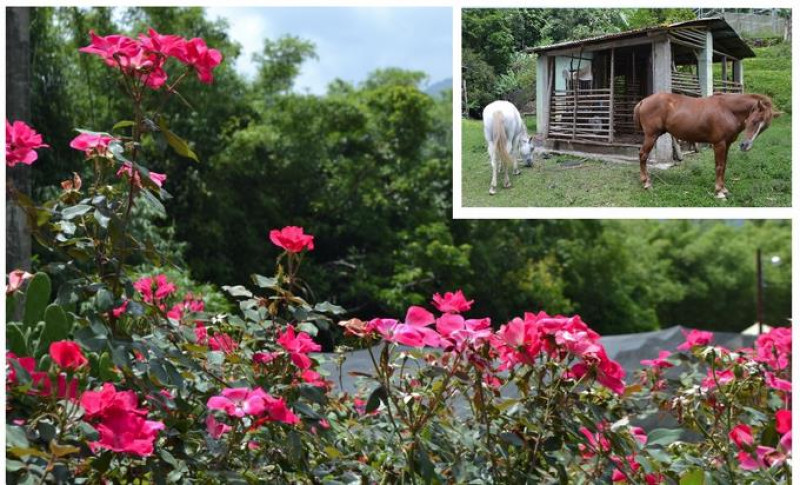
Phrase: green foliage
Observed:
(770, 73)
(279, 63)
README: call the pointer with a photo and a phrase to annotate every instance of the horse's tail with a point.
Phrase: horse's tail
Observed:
(500, 139)
(637, 125)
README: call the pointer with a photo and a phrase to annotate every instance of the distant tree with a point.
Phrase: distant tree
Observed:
(279, 63)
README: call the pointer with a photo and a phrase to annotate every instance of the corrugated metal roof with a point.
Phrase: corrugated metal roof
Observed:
(726, 40)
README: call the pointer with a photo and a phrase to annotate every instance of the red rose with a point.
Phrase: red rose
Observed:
(67, 355)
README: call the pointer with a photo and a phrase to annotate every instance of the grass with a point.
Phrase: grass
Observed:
(759, 178)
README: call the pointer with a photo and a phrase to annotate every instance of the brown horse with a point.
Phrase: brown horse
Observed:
(716, 120)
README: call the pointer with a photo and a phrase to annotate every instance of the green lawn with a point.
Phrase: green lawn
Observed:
(759, 178)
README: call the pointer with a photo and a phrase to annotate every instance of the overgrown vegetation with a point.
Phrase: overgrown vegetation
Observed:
(368, 169)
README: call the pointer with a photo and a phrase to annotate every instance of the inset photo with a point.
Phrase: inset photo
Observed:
(626, 108)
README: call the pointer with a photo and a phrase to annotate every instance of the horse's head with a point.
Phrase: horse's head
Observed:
(526, 150)
(757, 121)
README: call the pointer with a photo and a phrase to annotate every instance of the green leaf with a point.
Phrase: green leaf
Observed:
(36, 299)
(265, 282)
(694, 476)
(238, 291)
(16, 436)
(663, 436)
(74, 211)
(153, 202)
(11, 306)
(378, 395)
(308, 328)
(122, 124)
(23, 452)
(56, 327)
(326, 307)
(105, 368)
(101, 218)
(62, 450)
(104, 300)
(177, 143)
(15, 339)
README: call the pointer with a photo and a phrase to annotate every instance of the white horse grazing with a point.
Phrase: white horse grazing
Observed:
(507, 137)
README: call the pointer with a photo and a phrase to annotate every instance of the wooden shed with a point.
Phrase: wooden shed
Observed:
(586, 89)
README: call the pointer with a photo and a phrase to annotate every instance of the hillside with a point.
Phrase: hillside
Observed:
(770, 73)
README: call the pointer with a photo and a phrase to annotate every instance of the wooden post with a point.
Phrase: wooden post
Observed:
(738, 73)
(542, 90)
(611, 102)
(662, 83)
(724, 73)
(705, 66)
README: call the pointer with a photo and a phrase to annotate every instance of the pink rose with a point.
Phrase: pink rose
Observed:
(21, 144)
(67, 355)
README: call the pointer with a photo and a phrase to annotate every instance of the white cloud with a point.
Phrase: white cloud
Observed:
(350, 42)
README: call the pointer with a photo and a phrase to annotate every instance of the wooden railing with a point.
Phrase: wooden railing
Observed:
(585, 114)
(722, 86)
(685, 83)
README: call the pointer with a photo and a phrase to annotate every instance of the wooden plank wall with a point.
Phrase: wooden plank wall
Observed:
(584, 114)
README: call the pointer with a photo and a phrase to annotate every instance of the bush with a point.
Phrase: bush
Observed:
(123, 378)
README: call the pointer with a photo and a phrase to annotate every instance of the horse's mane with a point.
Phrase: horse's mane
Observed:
(764, 99)
(756, 97)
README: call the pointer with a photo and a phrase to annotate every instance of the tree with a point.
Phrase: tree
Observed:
(279, 63)
(18, 100)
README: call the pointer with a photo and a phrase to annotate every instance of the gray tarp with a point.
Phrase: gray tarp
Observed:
(628, 350)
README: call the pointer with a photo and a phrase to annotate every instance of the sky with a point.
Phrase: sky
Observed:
(350, 42)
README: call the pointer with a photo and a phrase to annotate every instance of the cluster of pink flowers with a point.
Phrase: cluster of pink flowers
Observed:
(298, 345)
(519, 342)
(752, 457)
(122, 425)
(219, 341)
(155, 290)
(144, 59)
(66, 354)
(775, 348)
(598, 444)
(21, 144)
(292, 239)
(562, 338)
(189, 305)
(239, 402)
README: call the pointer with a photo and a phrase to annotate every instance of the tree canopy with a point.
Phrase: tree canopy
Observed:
(367, 168)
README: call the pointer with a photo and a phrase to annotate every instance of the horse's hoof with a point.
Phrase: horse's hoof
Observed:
(721, 195)
(648, 186)
(492, 191)
(518, 172)
(507, 185)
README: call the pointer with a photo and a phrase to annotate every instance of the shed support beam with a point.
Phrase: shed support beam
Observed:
(705, 66)
(543, 78)
(738, 72)
(662, 83)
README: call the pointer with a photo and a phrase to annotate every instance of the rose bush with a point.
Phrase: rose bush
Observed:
(113, 378)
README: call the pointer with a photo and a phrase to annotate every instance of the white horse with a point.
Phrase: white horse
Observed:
(507, 137)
